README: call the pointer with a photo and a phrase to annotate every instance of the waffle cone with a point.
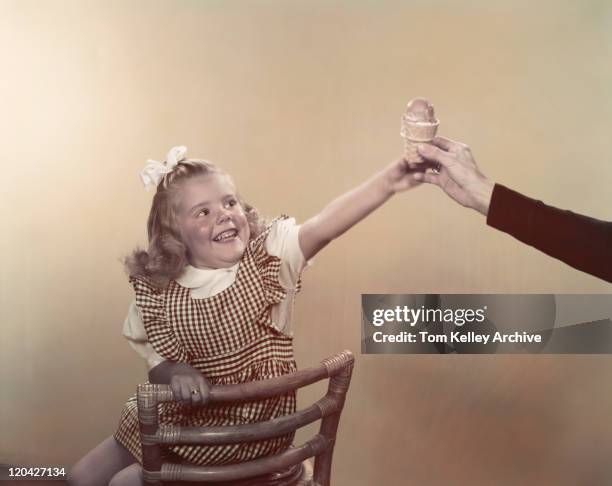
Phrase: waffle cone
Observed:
(414, 133)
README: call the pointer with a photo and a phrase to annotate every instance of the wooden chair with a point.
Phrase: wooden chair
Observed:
(282, 469)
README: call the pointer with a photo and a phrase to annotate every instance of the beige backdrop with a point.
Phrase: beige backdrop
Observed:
(300, 101)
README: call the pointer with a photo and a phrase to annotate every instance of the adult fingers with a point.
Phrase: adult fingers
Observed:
(431, 152)
(443, 143)
(451, 146)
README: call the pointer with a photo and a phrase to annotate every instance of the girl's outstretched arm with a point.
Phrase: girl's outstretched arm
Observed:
(350, 208)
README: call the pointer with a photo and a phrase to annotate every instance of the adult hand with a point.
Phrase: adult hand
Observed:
(459, 176)
(189, 385)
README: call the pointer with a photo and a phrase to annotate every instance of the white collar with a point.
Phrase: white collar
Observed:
(193, 277)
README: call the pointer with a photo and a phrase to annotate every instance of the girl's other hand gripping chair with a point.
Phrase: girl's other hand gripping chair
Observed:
(284, 469)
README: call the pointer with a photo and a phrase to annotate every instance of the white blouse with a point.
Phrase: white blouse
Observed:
(282, 241)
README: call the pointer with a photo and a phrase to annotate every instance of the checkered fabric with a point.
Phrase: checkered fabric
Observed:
(230, 338)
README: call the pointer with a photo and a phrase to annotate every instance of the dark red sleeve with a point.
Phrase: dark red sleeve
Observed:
(580, 241)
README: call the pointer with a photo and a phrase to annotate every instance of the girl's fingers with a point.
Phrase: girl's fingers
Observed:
(198, 390)
(204, 391)
(195, 394)
(414, 164)
(185, 393)
(176, 390)
(427, 177)
(190, 389)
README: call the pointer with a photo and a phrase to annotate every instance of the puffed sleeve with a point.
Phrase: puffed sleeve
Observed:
(151, 303)
(268, 266)
(134, 332)
(283, 241)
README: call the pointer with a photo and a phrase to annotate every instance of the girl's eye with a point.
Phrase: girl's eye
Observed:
(205, 212)
(232, 202)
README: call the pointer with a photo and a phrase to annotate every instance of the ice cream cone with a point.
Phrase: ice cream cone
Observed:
(419, 125)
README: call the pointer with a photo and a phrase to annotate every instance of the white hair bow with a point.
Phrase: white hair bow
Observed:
(154, 170)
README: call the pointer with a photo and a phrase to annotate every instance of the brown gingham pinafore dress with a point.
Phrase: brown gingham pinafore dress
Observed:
(230, 338)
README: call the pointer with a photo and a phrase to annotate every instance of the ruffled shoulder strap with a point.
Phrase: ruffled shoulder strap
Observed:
(268, 266)
(257, 244)
(152, 304)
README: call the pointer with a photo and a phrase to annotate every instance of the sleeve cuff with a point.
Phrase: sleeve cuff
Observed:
(153, 359)
(134, 332)
(510, 211)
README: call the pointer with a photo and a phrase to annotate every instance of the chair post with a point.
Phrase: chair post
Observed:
(340, 369)
(149, 424)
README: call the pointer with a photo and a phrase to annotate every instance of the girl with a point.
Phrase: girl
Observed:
(213, 304)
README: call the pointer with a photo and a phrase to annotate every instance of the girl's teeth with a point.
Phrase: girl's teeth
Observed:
(226, 236)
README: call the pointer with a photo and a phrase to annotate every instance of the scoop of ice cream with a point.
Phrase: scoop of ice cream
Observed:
(420, 110)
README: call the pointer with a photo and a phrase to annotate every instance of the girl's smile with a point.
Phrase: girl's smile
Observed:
(212, 222)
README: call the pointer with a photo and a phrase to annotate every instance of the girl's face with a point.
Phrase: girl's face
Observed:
(212, 222)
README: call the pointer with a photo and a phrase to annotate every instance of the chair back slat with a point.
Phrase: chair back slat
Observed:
(255, 390)
(257, 467)
(235, 434)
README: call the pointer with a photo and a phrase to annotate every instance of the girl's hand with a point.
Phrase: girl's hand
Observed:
(401, 175)
(189, 386)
